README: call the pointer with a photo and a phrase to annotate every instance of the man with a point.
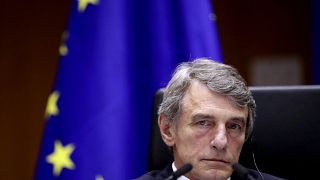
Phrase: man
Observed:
(206, 115)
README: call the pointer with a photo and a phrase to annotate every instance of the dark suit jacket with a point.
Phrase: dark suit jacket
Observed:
(160, 175)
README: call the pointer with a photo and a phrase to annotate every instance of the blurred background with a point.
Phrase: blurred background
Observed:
(269, 42)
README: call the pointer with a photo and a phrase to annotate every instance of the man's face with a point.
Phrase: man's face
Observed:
(209, 133)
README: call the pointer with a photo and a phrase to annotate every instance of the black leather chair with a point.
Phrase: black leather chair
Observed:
(286, 137)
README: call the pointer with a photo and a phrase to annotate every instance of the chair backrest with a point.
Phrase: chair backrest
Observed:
(286, 137)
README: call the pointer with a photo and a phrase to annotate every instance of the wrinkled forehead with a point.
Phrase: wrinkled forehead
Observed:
(198, 93)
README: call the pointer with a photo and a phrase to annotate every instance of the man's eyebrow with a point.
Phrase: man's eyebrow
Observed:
(202, 116)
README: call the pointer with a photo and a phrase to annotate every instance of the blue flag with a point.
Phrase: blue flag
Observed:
(115, 54)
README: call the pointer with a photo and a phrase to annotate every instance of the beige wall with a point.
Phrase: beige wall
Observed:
(268, 29)
(30, 36)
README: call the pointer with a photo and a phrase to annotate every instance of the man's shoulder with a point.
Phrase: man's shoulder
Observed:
(257, 176)
(157, 174)
(263, 176)
(160, 175)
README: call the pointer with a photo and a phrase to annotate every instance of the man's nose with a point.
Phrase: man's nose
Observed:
(219, 141)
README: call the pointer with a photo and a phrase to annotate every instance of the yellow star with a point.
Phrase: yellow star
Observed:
(63, 49)
(60, 158)
(84, 3)
(99, 177)
(52, 107)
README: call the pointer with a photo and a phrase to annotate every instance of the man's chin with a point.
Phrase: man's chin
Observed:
(213, 174)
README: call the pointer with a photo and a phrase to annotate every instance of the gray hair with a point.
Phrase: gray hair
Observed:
(217, 77)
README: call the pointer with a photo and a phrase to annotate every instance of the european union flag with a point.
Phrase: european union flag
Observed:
(115, 54)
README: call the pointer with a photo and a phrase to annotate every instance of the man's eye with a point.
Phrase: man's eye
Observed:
(203, 123)
(234, 126)
(235, 129)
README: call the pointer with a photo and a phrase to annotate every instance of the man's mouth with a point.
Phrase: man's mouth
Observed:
(215, 160)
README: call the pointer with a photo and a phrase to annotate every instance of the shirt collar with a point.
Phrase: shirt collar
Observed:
(174, 168)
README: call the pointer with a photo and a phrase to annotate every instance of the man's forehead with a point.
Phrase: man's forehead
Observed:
(194, 95)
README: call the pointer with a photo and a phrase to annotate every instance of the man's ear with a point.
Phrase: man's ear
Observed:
(166, 130)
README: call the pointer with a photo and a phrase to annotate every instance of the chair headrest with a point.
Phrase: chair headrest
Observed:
(286, 137)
